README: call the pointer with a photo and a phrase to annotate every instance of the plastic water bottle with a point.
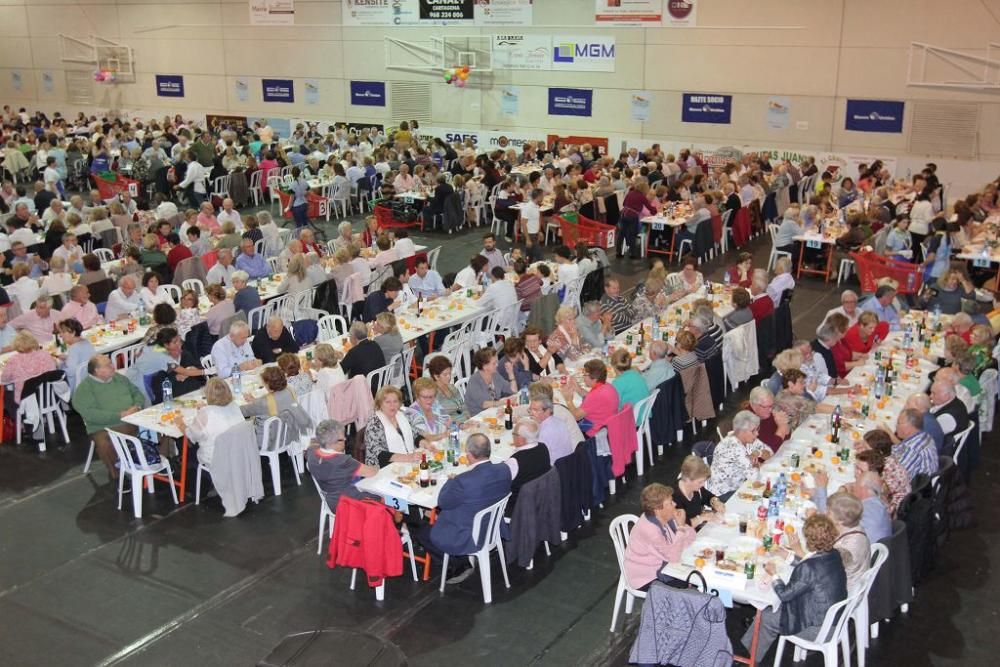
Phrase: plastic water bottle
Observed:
(937, 315)
(907, 338)
(726, 280)
(604, 349)
(142, 313)
(168, 395)
(237, 378)
(656, 328)
(524, 399)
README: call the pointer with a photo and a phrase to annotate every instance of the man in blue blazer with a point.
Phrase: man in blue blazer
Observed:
(461, 498)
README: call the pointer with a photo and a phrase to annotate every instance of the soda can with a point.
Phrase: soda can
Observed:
(779, 524)
(796, 460)
(749, 569)
(768, 542)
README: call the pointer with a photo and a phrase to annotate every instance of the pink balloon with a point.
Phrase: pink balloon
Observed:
(460, 83)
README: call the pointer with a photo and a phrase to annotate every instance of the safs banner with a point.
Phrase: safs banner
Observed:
(874, 116)
(705, 108)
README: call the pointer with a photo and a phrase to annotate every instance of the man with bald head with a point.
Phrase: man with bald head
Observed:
(915, 449)
(123, 301)
(949, 410)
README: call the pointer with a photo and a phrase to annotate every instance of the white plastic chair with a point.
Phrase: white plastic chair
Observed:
(174, 291)
(208, 364)
(845, 270)
(988, 399)
(195, 285)
(331, 327)
(404, 536)
(960, 439)
(832, 637)
(220, 186)
(48, 405)
(257, 317)
(432, 257)
(642, 410)
(325, 514)
(273, 444)
(879, 554)
(461, 385)
(380, 377)
(132, 462)
(492, 516)
(273, 185)
(772, 229)
(125, 357)
(620, 528)
(341, 199)
(256, 189)
(105, 255)
(273, 263)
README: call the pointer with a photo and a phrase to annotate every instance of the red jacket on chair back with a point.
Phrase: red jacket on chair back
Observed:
(622, 439)
(365, 536)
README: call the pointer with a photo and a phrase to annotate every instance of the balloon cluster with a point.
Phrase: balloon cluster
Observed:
(105, 76)
(457, 75)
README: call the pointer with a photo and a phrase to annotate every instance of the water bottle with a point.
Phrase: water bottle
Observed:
(772, 507)
(879, 389)
(524, 399)
(237, 378)
(604, 349)
(656, 328)
(168, 395)
(907, 338)
(937, 315)
(142, 313)
(726, 280)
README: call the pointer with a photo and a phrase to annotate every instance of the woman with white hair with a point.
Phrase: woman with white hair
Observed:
(334, 471)
(782, 280)
(565, 338)
(737, 455)
(345, 236)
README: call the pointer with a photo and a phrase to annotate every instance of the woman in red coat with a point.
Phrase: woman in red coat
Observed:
(865, 333)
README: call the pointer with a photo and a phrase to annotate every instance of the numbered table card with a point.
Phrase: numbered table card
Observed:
(815, 244)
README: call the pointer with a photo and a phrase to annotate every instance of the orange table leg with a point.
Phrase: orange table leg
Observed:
(181, 483)
(829, 263)
(802, 252)
(752, 660)
(673, 243)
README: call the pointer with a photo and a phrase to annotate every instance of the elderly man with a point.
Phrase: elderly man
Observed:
(613, 304)
(20, 255)
(848, 307)
(529, 461)
(123, 301)
(246, 297)
(460, 499)
(233, 351)
(40, 321)
(709, 334)
(699, 214)
(403, 182)
(229, 214)
(294, 248)
(826, 337)
(948, 409)
(552, 431)
(660, 369)
(771, 432)
(80, 307)
(761, 304)
(922, 404)
(426, 282)
(364, 356)
(881, 305)
(737, 455)
(254, 264)
(868, 488)
(103, 399)
(71, 252)
(594, 326)
(334, 471)
(273, 341)
(54, 212)
(222, 271)
(915, 450)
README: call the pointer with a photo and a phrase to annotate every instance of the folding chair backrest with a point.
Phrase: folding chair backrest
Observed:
(380, 377)
(331, 327)
(620, 529)
(490, 518)
(643, 408)
(126, 356)
(195, 285)
(274, 436)
(131, 456)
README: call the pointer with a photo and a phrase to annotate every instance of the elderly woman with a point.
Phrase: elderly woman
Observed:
(659, 536)
(449, 400)
(92, 271)
(219, 415)
(691, 494)
(949, 291)
(540, 360)
(296, 280)
(387, 335)
(151, 255)
(895, 476)
(279, 399)
(600, 399)
(326, 363)
(298, 382)
(29, 361)
(345, 237)
(686, 281)
(389, 438)
(79, 350)
(865, 333)
(741, 273)
(782, 280)
(741, 313)
(58, 281)
(628, 382)
(425, 415)
(188, 315)
(152, 292)
(685, 355)
(817, 583)
(737, 455)
(565, 339)
(651, 301)
(487, 388)
(221, 310)
(334, 471)
(785, 361)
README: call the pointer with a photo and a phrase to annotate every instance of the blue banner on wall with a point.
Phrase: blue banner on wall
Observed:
(169, 85)
(368, 93)
(570, 102)
(707, 108)
(874, 116)
(278, 90)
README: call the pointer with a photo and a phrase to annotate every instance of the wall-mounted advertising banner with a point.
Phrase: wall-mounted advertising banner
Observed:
(681, 14)
(874, 116)
(570, 102)
(278, 90)
(169, 85)
(778, 111)
(503, 12)
(704, 108)
(16, 80)
(272, 12)
(642, 104)
(48, 81)
(510, 100)
(242, 88)
(368, 93)
(628, 13)
(312, 91)
(446, 11)
(583, 54)
(522, 52)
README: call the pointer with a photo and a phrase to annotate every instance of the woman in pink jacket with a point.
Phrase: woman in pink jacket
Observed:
(657, 538)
